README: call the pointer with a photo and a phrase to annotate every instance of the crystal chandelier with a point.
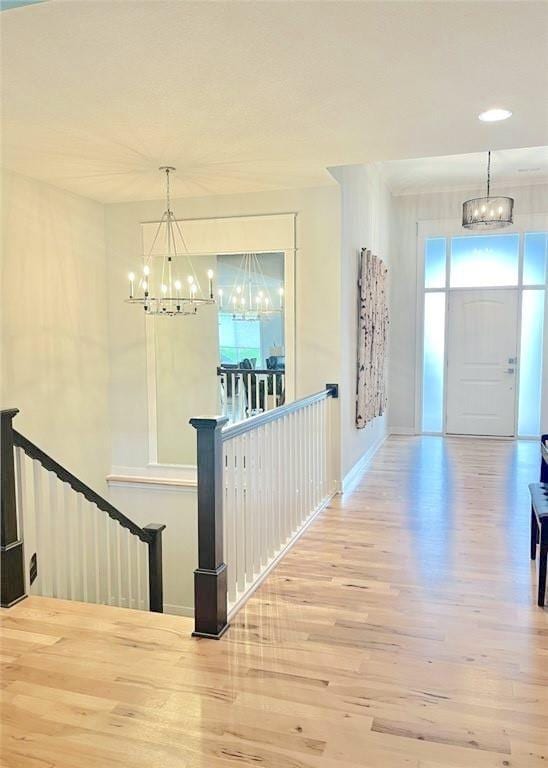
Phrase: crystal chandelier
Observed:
(487, 212)
(249, 298)
(168, 284)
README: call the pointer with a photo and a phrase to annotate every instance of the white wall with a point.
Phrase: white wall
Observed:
(408, 210)
(177, 508)
(54, 323)
(317, 299)
(366, 209)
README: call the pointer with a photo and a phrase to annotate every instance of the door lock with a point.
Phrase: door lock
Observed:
(512, 360)
(510, 370)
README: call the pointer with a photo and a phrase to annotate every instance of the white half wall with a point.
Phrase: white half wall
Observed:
(54, 323)
(366, 209)
(408, 210)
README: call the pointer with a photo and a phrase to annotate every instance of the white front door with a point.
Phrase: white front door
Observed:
(481, 362)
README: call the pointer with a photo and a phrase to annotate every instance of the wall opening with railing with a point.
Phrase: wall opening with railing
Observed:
(260, 483)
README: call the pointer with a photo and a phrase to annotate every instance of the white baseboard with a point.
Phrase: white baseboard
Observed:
(402, 430)
(354, 474)
(179, 610)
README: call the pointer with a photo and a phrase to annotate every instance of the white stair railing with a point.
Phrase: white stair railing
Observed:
(260, 483)
(77, 546)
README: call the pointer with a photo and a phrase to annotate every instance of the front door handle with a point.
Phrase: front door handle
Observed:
(510, 370)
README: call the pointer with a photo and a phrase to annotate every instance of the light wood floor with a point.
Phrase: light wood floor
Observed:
(401, 632)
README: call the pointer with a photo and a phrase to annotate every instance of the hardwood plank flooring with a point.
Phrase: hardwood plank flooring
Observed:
(401, 632)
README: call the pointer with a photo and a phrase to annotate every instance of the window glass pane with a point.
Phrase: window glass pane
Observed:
(434, 262)
(534, 258)
(530, 370)
(432, 378)
(484, 260)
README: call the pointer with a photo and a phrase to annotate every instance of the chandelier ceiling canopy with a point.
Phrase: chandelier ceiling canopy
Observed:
(168, 284)
(488, 212)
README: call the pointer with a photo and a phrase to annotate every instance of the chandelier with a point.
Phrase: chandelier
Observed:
(168, 284)
(249, 298)
(487, 212)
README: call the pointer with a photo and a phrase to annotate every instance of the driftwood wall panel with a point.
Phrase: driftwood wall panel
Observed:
(372, 339)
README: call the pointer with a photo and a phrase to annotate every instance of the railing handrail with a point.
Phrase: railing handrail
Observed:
(253, 422)
(77, 485)
(261, 371)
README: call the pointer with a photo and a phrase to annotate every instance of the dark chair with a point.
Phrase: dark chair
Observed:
(539, 520)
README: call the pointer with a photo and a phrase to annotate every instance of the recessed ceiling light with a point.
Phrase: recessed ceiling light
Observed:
(494, 115)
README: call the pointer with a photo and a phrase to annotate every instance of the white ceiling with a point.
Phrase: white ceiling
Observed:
(509, 168)
(246, 96)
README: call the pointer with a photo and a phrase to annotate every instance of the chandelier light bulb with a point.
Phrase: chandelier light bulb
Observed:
(210, 274)
(193, 289)
(131, 277)
(146, 270)
(190, 279)
(238, 289)
(178, 285)
(145, 285)
(164, 289)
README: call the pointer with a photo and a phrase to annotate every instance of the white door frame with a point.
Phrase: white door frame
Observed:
(289, 251)
(449, 228)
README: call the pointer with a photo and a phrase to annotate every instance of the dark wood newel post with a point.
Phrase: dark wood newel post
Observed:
(155, 576)
(12, 571)
(210, 605)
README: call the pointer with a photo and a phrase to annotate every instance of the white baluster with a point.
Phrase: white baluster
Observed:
(96, 517)
(70, 541)
(275, 483)
(82, 535)
(282, 463)
(248, 512)
(231, 523)
(53, 549)
(129, 566)
(253, 502)
(138, 546)
(240, 515)
(108, 549)
(118, 558)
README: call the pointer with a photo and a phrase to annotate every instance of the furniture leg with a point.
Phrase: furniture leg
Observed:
(534, 534)
(542, 575)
